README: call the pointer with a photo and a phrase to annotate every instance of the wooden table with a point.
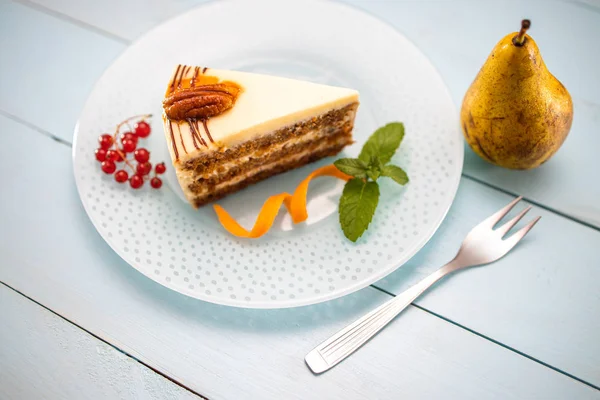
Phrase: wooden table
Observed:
(77, 322)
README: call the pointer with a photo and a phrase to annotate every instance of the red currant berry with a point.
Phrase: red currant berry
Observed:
(108, 166)
(121, 176)
(141, 155)
(143, 168)
(129, 145)
(156, 183)
(114, 155)
(105, 141)
(100, 154)
(160, 168)
(128, 136)
(142, 129)
(136, 181)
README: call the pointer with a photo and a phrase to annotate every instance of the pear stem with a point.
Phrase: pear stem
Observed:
(519, 40)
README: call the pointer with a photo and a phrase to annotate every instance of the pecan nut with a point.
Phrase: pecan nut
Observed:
(201, 102)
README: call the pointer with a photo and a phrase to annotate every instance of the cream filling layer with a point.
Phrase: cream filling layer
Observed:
(191, 196)
(311, 136)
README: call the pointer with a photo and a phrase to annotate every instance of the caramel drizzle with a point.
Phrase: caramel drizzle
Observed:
(207, 131)
(173, 144)
(204, 70)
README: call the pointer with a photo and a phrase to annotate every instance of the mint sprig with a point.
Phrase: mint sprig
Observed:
(383, 143)
(361, 194)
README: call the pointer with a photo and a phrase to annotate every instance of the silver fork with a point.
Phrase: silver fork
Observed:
(483, 245)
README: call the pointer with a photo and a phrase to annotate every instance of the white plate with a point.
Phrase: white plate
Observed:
(160, 235)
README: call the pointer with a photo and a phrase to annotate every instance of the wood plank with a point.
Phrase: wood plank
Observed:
(541, 299)
(43, 356)
(48, 67)
(115, 16)
(224, 352)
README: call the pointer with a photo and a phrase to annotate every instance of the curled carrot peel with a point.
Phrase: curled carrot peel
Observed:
(295, 204)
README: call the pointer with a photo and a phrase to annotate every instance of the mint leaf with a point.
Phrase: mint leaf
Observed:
(375, 163)
(374, 168)
(396, 173)
(357, 206)
(352, 166)
(373, 174)
(383, 143)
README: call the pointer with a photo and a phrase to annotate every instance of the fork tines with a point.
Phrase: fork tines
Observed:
(504, 229)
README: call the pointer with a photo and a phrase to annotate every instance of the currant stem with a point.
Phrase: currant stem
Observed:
(128, 126)
(126, 121)
(123, 155)
(129, 164)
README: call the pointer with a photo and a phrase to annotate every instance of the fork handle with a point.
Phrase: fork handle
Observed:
(348, 340)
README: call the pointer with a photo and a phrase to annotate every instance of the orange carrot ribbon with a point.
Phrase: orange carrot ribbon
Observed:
(295, 204)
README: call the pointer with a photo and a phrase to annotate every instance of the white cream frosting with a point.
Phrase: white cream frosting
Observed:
(266, 103)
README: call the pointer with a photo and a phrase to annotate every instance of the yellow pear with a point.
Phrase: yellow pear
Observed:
(516, 114)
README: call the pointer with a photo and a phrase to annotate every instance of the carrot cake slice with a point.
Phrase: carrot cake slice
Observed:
(229, 129)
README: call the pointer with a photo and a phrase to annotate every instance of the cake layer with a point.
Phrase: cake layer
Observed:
(264, 172)
(243, 170)
(219, 161)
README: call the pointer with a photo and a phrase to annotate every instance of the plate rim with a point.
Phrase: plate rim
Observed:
(288, 303)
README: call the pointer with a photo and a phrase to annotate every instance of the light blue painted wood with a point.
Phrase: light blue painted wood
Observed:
(114, 16)
(454, 54)
(53, 254)
(44, 357)
(48, 67)
(541, 299)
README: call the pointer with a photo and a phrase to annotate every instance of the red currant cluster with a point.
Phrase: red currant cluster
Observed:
(109, 154)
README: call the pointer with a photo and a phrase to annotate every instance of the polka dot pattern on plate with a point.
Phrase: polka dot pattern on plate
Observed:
(185, 249)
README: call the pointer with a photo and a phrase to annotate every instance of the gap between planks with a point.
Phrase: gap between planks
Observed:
(35, 128)
(586, 4)
(535, 203)
(488, 338)
(157, 371)
(74, 21)
(106, 342)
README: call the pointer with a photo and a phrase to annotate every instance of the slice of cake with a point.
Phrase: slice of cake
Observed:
(228, 129)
